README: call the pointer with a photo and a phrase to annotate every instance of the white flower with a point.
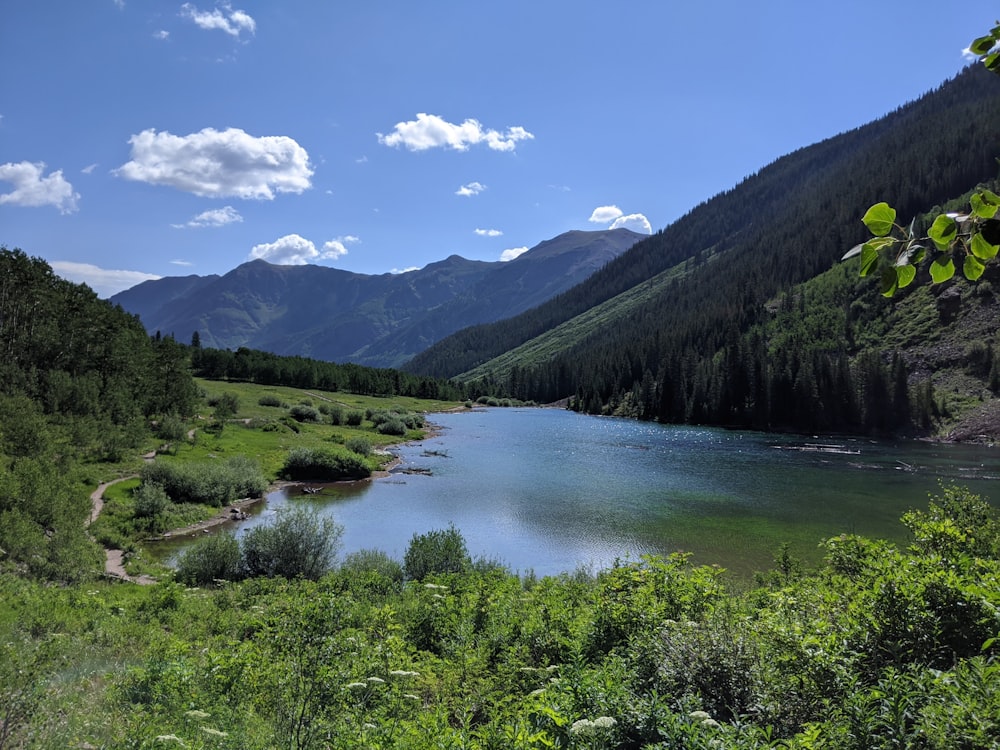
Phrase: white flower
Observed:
(581, 726)
(376, 680)
(196, 714)
(404, 673)
(709, 723)
(604, 722)
(356, 685)
(214, 732)
(170, 738)
(700, 715)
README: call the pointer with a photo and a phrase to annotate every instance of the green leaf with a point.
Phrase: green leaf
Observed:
(869, 259)
(905, 276)
(982, 207)
(972, 268)
(943, 231)
(889, 281)
(942, 269)
(992, 62)
(880, 219)
(982, 45)
(981, 248)
(912, 253)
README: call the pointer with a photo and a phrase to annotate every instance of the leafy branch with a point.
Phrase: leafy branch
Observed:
(970, 240)
(894, 252)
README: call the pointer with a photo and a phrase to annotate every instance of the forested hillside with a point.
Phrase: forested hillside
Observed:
(696, 348)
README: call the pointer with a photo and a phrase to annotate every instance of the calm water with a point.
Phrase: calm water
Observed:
(551, 490)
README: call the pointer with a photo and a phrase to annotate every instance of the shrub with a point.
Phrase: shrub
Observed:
(437, 551)
(373, 562)
(304, 413)
(360, 445)
(226, 405)
(150, 502)
(210, 482)
(270, 400)
(336, 415)
(324, 466)
(298, 543)
(171, 428)
(394, 426)
(212, 558)
(355, 417)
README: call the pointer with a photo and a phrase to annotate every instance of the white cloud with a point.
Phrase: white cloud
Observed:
(162, 34)
(219, 164)
(489, 232)
(179, 262)
(32, 189)
(431, 131)
(216, 217)
(336, 248)
(104, 281)
(223, 18)
(512, 253)
(604, 214)
(617, 218)
(473, 188)
(89, 168)
(295, 250)
(635, 222)
(404, 270)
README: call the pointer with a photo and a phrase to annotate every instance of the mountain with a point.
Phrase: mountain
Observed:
(376, 320)
(677, 329)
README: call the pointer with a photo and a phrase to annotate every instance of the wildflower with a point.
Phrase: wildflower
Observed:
(536, 693)
(412, 697)
(700, 715)
(214, 732)
(194, 713)
(369, 726)
(604, 722)
(404, 673)
(711, 723)
(170, 738)
(376, 680)
(581, 726)
(356, 685)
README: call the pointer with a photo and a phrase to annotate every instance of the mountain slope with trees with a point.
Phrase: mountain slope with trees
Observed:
(684, 355)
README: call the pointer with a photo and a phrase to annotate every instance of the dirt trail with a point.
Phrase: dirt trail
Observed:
(113, 557)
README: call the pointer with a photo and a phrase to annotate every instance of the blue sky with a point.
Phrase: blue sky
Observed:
(141, 138)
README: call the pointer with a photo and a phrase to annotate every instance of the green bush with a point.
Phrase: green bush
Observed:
(394, 426)
(210, 483)
(212, 558)
(373, 570)
(314, 464)
(437, 551)
(355, 417)
(304, 413)
(226, 405)
(360, 445)
(298, 543)
(270, 400)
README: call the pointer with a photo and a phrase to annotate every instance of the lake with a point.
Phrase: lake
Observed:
(550, 490)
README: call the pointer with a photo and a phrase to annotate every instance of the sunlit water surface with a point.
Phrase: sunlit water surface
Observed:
(551, 490)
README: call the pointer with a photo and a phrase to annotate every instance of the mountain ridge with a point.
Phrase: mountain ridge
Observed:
(376, 320)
